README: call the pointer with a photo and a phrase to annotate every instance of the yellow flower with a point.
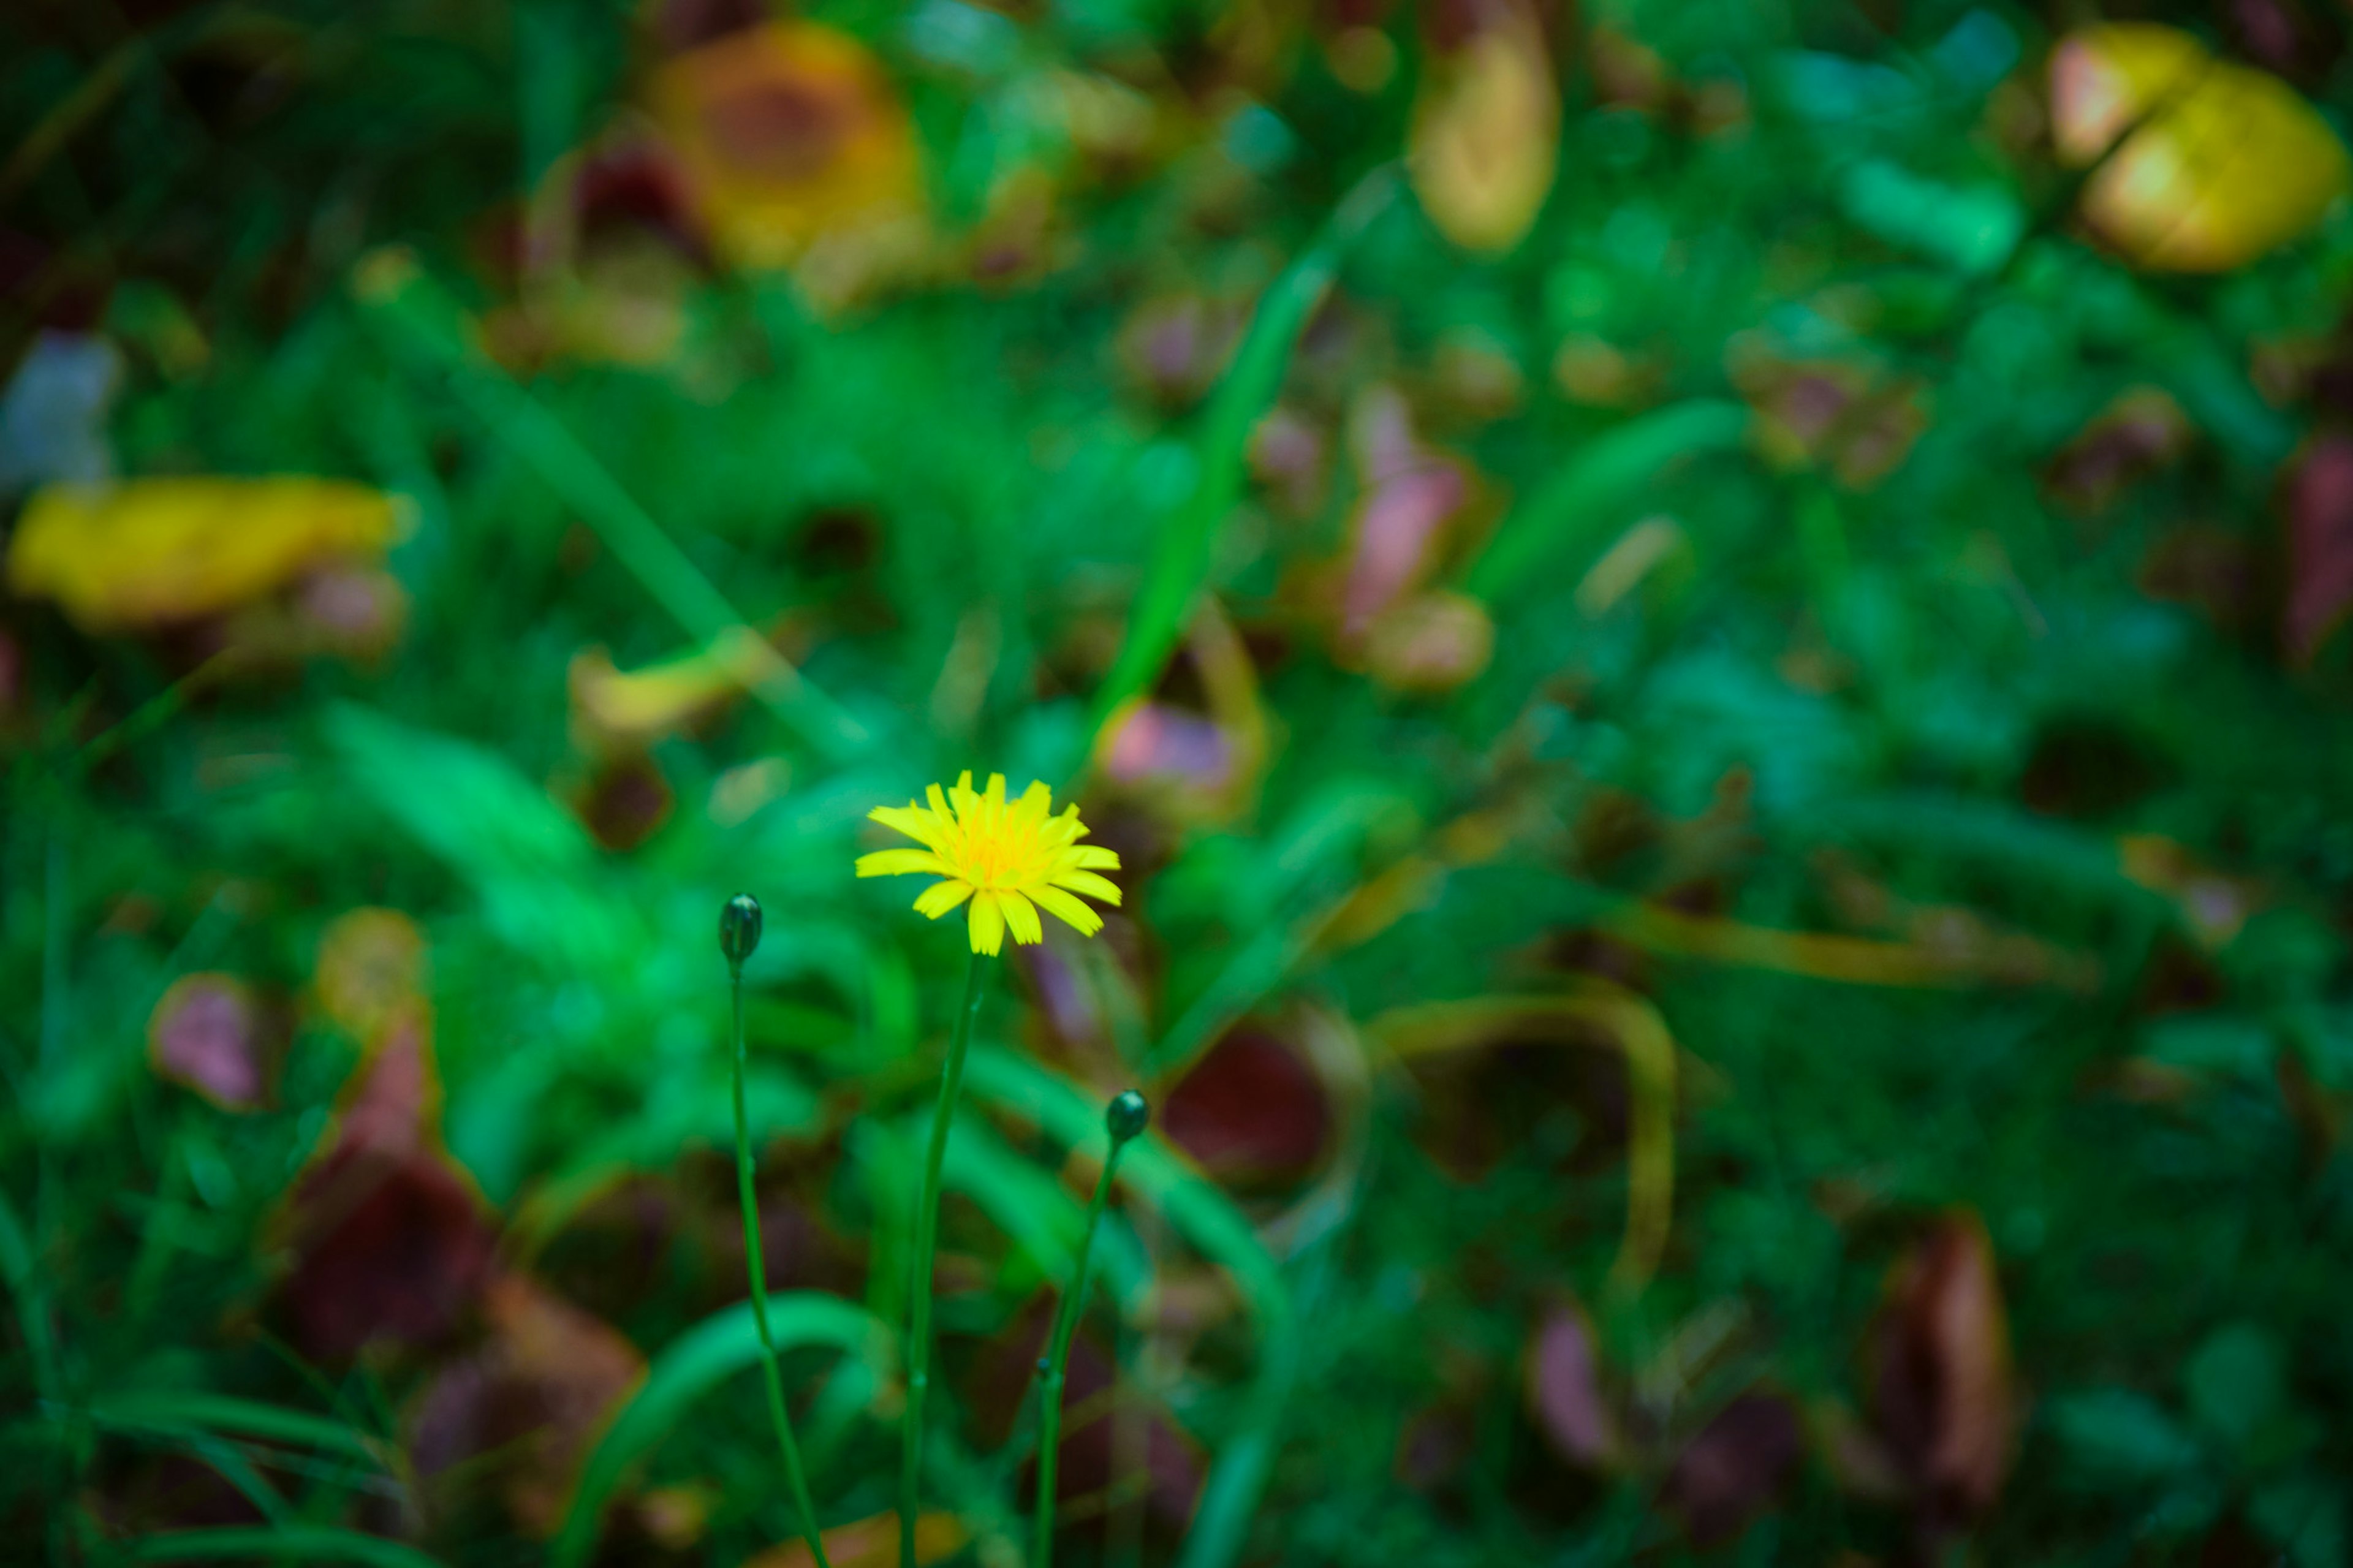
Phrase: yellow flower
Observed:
(1009, 859)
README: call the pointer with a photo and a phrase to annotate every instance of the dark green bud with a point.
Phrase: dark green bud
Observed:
(1126, 1115)
(739, 929)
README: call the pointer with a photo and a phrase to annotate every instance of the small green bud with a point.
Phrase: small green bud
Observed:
(739, 929)
(1126, 1115)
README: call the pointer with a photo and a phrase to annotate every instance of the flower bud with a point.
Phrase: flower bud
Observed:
(739, 929)
(1127, 1116)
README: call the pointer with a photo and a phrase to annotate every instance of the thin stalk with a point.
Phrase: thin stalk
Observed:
(1057, 1364)
(919, 1286)
(758, 1268)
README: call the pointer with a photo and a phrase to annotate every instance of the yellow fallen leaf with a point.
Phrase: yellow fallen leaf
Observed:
(145, 553)
(614, 709)
(792, 138)
(370, 969)
(1486, 133)
(2218, 163)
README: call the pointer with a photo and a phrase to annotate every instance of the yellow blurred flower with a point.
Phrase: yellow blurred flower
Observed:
(147, 553)
(796, 147)
(1010, 858)
(2219, 163)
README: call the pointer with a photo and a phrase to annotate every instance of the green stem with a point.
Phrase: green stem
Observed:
(1057, 1362)
(757, 1267)
(919, 1285)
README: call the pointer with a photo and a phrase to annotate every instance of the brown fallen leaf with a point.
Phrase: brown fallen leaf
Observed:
(527, 1404)
(1943, 1399)
(1734, 1467)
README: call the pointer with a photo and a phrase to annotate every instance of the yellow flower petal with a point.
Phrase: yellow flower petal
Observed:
(1021, 918)
(1070, 911)
(900, 862)
(1090, 884)
(987, 924)
(910, 819)
(940, 898)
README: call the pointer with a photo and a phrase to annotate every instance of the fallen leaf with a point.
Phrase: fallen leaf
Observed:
(1251, 1111)
(371, 969)
(210, 1034)
(1430, 643)
(871, 1542)
(616, 711)
(1564, 1388)
(2217, 164)
(2320, 500)
(1942, 1399)
(799, 152)
(387, 1237)
(1485, 134)
(527, 1406)
(2139, 434)
(1736, 1466)
(150, 554)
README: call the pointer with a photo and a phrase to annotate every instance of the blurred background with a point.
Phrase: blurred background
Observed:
(1710, 631)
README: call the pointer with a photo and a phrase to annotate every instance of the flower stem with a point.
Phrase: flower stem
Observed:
(919, 1285)
(756, 1268)
(1057, 1362)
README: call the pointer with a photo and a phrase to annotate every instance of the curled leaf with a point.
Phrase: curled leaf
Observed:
(617, 710)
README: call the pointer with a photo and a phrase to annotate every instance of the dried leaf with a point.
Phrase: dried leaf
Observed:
(1737, 1465)
(149, 553)
(1251, 1111)
(1942, 1399)
(209, 1034)
(1564, 1388)
(371, 969)
(2320, 544)
(2217, 164)
(527, 1404)
(388, 1238)
(798, 150)
(1486, 131)
(619, 711)
(871, 1542)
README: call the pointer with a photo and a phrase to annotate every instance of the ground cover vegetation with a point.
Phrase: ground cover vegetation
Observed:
(1699, 643)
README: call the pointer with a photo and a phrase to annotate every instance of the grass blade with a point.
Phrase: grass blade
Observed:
(698, 1361)
(230, 1415)
(1601, 477)
(1186, 542)
(425, 329)
(298, 1541)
